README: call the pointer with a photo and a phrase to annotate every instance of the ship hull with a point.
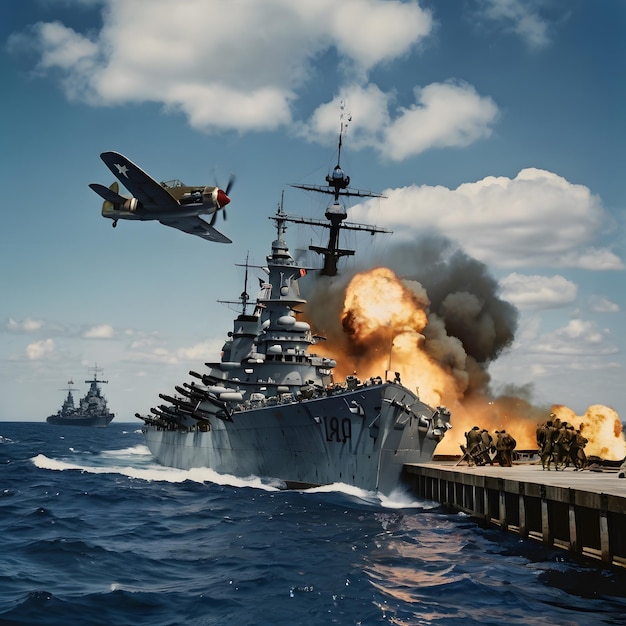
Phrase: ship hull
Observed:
(361, 438)
(96, 421)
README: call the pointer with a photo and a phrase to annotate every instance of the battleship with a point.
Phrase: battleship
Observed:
(272, 408)
(92, 409)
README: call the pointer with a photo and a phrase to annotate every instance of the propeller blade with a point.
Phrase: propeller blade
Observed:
(231, 182)
(213, 219)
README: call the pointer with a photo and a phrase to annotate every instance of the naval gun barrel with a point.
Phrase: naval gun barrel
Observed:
(166, 414)
(197, 393)
(183, 406)
(146, 419)
(182, 391)
(191, 392)
(172, 400)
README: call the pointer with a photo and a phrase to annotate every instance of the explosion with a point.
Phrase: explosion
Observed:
(601, 426)
(441, 345)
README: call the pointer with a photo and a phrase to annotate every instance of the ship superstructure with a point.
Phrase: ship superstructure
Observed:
(92, 409)
(271, 407)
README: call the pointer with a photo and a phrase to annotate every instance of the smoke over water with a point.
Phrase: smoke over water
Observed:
(433, 314)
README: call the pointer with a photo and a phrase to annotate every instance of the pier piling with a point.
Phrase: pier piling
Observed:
(582, 512)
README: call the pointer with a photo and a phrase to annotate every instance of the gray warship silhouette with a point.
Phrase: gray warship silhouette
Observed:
(92, 409)
(271, 408)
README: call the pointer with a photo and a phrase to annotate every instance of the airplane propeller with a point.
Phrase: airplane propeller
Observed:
(226, 192)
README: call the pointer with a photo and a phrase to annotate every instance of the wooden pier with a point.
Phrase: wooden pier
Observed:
(583, 512)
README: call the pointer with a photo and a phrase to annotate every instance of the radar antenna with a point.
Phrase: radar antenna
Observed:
(336, 213)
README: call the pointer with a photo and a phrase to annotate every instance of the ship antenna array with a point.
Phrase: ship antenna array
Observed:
(244, 297)
(344, 120)
(97, 369)
(280, 218)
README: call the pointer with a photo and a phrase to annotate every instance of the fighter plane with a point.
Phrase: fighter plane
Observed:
(171, 203)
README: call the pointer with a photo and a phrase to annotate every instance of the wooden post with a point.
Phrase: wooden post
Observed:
(605, 544)
(545, 517)
(502, 498)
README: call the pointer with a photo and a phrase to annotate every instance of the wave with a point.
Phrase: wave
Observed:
(138, 450)
(139, 465)
(398, 499)
(152, 472)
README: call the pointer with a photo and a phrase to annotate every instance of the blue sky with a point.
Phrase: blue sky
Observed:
(497, 124)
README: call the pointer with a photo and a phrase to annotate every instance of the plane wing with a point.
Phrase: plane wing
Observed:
(197, 226)
(152, 196)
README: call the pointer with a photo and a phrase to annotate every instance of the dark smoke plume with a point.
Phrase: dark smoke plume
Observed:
(468, 323)
(461, 292)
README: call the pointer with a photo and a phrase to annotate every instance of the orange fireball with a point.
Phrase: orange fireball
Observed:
(386, 327)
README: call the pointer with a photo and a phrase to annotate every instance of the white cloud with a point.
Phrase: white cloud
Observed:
(206, 73)
(199, 352)
(39, 350)
(384, 30)
(538, 292)
(577, 338)
(64, 48)
(520, 17)
(366, 115)
(226, 65)
(559, 364)
(103, 331)
(537, 218)
(155, 355)
(26, 325)
(445, 114)
(600, 304)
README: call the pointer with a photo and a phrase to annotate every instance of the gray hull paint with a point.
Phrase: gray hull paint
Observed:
(97, 422)
(361, 437)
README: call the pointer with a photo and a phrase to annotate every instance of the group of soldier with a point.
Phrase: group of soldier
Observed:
(561, 444)
(483, 449)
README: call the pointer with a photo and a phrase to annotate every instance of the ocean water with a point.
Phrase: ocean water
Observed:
(93, 531)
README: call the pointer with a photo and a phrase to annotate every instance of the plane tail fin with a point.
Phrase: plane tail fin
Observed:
(112, 199)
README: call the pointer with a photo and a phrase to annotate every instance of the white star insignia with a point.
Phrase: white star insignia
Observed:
(122, 169)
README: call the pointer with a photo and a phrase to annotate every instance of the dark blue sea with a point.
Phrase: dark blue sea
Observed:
(93, 531)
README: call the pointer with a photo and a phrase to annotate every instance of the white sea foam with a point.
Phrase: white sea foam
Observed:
(397, 499)
(136, 462)
(152, 471)
(138, 450)
(401, 499)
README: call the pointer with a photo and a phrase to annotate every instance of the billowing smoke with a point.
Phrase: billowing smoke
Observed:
(462, 294)
(433, 313)
(468, 324)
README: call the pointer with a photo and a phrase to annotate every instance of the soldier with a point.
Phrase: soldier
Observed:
(487, 446)
(577, 451)
(473, 445)
(545, 438)
(561, 446)
(505, 444)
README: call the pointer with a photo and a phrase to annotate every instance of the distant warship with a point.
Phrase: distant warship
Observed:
(272, 409)
(92, 409)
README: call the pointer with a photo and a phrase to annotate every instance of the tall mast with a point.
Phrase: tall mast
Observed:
(338, 186)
